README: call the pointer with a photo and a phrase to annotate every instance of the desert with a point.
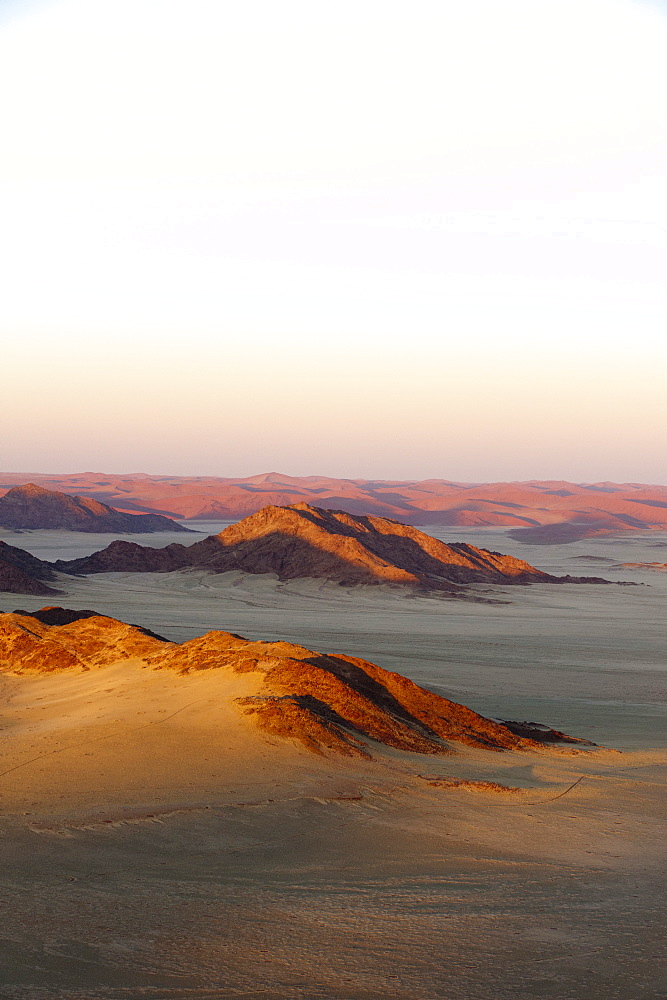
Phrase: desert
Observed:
(333, 519)
(477, 871)
(302, 541)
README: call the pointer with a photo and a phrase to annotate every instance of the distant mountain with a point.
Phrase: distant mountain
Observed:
(32, 507)
(328, 703)
(538, 511)
(304, 541)
(21, 573)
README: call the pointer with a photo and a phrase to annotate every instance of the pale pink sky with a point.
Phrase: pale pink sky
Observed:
(362, 239)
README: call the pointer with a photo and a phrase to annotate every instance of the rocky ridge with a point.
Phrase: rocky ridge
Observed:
(303, 541)
(330, 703)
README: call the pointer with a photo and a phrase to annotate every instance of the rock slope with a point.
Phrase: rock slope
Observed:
(22, 573)
(304, 541)
(33, 507)
(329, 703)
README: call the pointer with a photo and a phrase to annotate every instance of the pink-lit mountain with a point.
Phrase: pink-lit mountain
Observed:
(537, 510)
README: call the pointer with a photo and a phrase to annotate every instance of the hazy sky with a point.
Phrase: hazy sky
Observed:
(384, 239)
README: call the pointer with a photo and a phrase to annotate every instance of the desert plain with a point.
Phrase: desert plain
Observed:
(156, 845)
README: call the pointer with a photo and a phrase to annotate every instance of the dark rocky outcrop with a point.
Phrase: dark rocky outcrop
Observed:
(22, 573)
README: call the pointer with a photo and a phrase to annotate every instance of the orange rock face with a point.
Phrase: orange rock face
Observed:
(53, 639)
(326, 702)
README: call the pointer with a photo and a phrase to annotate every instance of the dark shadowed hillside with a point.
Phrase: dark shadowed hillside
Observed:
(21, 573)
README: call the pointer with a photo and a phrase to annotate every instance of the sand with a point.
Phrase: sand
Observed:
(586, 659)
(154, 845)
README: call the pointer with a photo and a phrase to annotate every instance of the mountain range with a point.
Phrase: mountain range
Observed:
(537, 511)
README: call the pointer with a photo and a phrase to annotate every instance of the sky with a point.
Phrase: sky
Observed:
(361, 239)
